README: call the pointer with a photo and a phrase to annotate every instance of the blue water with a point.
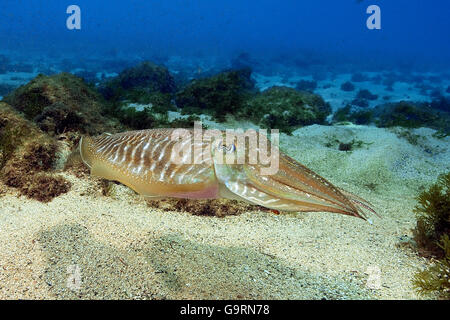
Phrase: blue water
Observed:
(281, 41)
(413, 31)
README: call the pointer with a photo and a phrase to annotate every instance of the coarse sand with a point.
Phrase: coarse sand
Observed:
(84, 245)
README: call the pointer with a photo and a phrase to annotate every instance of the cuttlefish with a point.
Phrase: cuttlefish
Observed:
(144, 161)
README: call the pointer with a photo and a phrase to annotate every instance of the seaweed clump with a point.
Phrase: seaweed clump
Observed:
(139, 119)
(27, 155)
(146, 83)
(412, 115)
(432, 237)
(285, 109)
(217, 96)
(346, 114)
(61, 103)
(433, 216)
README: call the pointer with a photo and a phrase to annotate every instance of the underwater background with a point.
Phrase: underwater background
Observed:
(368, 109)
(413, 33)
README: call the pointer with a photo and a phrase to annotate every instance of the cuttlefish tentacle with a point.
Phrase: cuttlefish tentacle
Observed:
(143, 161)
(300, 184)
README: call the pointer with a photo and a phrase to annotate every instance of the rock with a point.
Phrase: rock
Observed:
(347, 86)
(357, 117)
(27, 157)
(285, 109)
(366, 95)
(51, 99)
(412, 115)
(146, 76)
(219, 95)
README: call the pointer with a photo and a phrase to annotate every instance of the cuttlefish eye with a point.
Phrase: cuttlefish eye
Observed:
(223, 147)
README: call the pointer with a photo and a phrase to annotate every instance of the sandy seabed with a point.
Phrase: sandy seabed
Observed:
(84, 245)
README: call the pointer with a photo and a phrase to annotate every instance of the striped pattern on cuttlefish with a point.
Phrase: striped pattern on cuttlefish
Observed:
(142, 160)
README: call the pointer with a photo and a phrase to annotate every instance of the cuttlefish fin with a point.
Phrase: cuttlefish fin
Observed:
(85, 153)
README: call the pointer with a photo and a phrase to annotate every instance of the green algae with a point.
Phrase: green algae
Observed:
(285, 109)
(432, 237)
(217, 96)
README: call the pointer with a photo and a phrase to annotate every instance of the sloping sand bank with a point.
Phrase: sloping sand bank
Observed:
(84, 245)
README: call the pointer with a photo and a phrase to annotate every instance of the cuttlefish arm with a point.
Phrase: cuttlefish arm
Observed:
(142, 161)
(293, 188)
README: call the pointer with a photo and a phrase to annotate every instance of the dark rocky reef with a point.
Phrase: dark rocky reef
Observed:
(27, 157)
(146, 83)
(412, 115)
(366, 94)
(217, 96)
(132, 84)
(61, 103)
(285, 109)
(407, 114)
(346, 114)
(363, 103)
(362, 98)
(347, 86)
(441, 103)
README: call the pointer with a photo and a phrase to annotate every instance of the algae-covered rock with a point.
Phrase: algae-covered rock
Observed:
(412, 115)
(141, 80)
(347, 86)
(148, 75)
(285, 109)
(441, 103)
(59, 117)
(366, 95)
(218, 96)
(61, 102)
(356, 116)
(147, 83)
(362, 103)
(141, 119)
(27, 157)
